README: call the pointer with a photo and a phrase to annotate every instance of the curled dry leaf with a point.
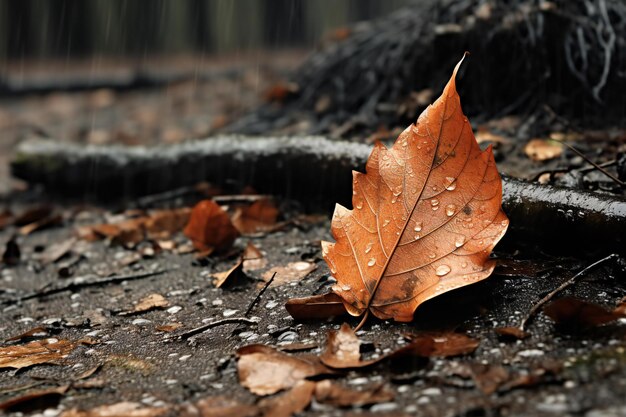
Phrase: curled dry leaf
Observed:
(233, 277)
(443, 344)
(258, 217)
(122, 409)
(12, 253)
(570, 312)
(289, 403)
(328, 392)
(426, 216)
(47, 351)
(210, 228)
(293, 271)
(265, 370)
(253, 259)
(316, 307)
(343, 350)
(34, 333)
(149, 302)
(514, 333)
(35, 400)
(543, 150)
(220, 407)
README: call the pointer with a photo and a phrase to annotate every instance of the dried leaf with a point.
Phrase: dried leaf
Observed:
(343, 350)
(489, 378)
(56, 251)
(149, 302)
(170, 327)
(293, 271)
(444, 344)
(34, 401)
(122, 409)
(32, 215)
(12, 253)
(220, 407)
(34, 333)
(426, 216)
(512, 333)
(328, 392)
(316, 307)
(6, 218)
(570, 312)
(543, 150)
(233, 277)
(289, 403)
(52, 220)
(258, 217)
(47, 351)
(265, 370)
(253, 259)
(210, 227)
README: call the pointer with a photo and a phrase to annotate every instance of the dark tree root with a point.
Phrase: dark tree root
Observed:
(314, 170)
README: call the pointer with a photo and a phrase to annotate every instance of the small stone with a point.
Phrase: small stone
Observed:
(217, 302)
(229, 312)
(383, 407)
(432, 392)
(174, 309)
(423, 400)
(184, 358)
(270, 305)
(530, 353)
(288, 337)
(141, 322)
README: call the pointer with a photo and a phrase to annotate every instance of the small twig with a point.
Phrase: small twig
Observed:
(82, 282)
(582, 170)
(239, 198)
(363, 320)
(150, 200)
(560, 288)
(265, 287)
(205, 327)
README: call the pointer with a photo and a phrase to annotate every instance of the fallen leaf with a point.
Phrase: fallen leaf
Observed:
(47, 351)
(34, 401)
(426, 216)
(6, 218)
(512, 333)
(343, 350)
(543, 150)
(488, 378)
(149, 302)
(52, 220)
(34, 333)
(162, 224)
(572, 313)
(484, 135)
(122, 409)
(32, 215)
(220, 407)
(444, 344)
(327, 392)
(258, 217)
(253, 259)
(210, 227)
(233, 277)
(170, 327)
(316, 307)
(293, 271)
(289, 403)
(56, 251)
(264, 370)
(12, 253)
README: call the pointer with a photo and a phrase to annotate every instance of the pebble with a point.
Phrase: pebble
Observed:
(529, 353)
(229, 312)
(383, 407)
(431, 392)
(171, 381)
(423, 400)
(288, 337)
(184, 358)
(217, 302)
(174, 309)
(270, 305)
(141, 322)
(358, 381)
(607, 412)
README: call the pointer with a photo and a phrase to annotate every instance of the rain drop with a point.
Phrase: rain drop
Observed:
(505, 223)
(451, 183)
(386, 222)
(450, 209)
(346, 287)
(459, 241)
(417, 237)
(368, 248)
(432, 255)
(442, 270)
(359, 204)
(371, 262)
(434, 202)
(464, 265)
(418, 227)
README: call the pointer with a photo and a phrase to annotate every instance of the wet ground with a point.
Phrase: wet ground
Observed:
(127, 357)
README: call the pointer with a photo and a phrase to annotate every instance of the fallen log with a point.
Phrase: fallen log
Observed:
(314, 170)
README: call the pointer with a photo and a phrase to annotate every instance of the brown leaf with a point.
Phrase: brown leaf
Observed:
(343, 350)
(488, 378)
(6, 218)
(573, 313)
(12, 253)
(34, 401)
(328, 392)
(233, 277)
(426, 216)
(32, 215)
(52, 220)
(210, 227)
(122, 409)
(258, 217)
(149, 302)
(512, 333)
(56, 251)
(170, 327)
(316, 307)
(253, 259)
(36, 332)
(289, 403)
(47, 351)
(293, 271)
(220, 407)
(543, 150)
(265, 370)
(444, 344)
(162, 224)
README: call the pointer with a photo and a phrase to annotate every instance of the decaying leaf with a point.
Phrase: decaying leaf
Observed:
(253, 259)
(265, 370)
(46, 351)
(35, 400)
(122, 409)
(149, 302)
(233, 277)
(210, 228)
(12, 253)
(293, 271)
(316, 307)
(289, 403)
(170, 327)
(512, 333)
(570, 312)
(444, 344)
(220, 407)
(425, 217)
(6, 217)
(343, 350)
(56, 251)
(258, 217)
(34, 333)
(543, 150)
(328, 392)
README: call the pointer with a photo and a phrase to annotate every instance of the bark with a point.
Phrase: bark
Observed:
(314, 170)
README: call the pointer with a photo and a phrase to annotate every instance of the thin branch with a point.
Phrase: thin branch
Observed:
(205, 327)
(561, 287)
(265, 287)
